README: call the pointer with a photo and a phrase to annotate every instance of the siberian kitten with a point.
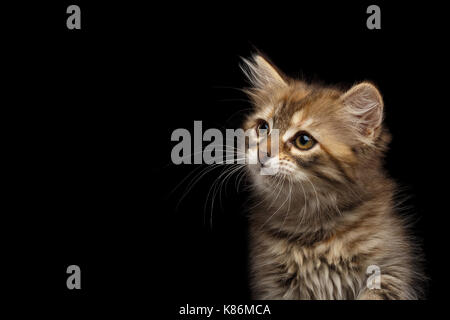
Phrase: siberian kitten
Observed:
(327, 218)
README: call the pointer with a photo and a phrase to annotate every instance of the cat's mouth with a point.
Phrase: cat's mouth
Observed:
(276, 171)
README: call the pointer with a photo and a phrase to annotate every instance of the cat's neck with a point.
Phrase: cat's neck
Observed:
(309, 222)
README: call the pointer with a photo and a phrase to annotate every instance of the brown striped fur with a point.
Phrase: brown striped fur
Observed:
(330, 211)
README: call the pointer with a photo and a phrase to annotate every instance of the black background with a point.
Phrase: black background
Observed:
(92, 112)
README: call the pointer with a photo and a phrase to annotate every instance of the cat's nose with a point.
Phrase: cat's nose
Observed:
(263, 157)
(264, 151)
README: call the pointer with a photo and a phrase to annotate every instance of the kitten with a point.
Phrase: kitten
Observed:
(328, 216)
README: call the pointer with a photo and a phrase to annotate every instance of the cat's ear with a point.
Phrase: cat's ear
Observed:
(262, 74)
(364, 107)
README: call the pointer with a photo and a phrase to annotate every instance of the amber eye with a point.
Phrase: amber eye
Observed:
(304, 141)
(262, 125)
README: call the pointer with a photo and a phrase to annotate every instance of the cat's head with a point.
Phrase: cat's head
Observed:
(329, 140)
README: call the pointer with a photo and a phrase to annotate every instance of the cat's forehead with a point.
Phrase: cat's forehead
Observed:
(296, 107)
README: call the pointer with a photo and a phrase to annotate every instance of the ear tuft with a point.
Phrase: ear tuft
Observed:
(364, 105)
(261, 73)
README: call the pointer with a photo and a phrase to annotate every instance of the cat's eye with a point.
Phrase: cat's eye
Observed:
(262, 125)
(304, 141)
